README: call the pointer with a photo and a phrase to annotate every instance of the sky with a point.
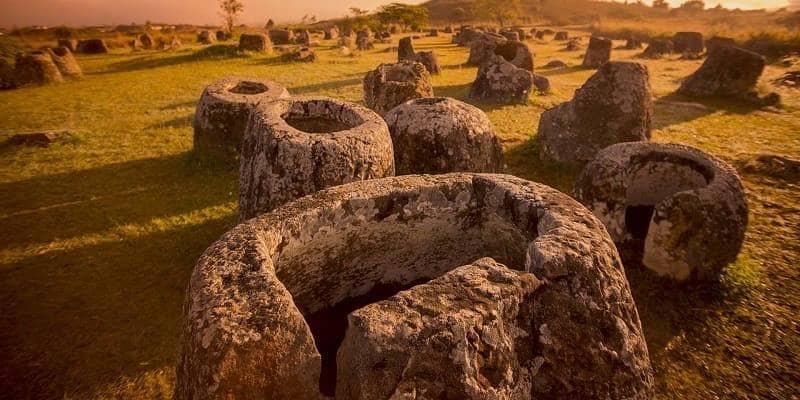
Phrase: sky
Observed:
(98, 12)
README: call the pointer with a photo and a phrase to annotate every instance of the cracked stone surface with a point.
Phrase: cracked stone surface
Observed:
(440, 135)
(678, 210)
(247, 329)
(615, 105)
(500, 81)
(36, 68)
(297, 146)
(224, 108)
(390, 85)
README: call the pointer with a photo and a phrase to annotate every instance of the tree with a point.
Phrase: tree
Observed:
(662, 4)
(230, 10)
(501, 11)
(403, 14)
(270, 24)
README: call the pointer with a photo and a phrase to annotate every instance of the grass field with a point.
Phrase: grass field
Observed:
(99, 232)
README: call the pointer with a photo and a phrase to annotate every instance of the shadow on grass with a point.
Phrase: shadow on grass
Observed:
(675, 109)
(562, 71)
(334, 85)
(183, 121)
(523, 161)
(155, 60)
(76, 321)
(72, 206)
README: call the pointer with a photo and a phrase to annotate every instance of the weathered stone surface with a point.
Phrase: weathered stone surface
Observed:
(390, 85)
(482, 47)
(347, 41)
(680, 211)
(658, 48)
(304, 54)
(615, 105)
(429, 60)
(448, 29)
(297, 146)
(433, 33)
(364, 40)
(147, 41)
(511, 35)
(92, 46)
(65, 62)
(516, 53)
(466, 36)
(281, 36)
(36, 68)
(440, 135)
(598, 52)
(173, 43)
(573, 44)
(224, 109)
(257, 42)
(500, 81)
(471, 328)
(561, 35)
(136, 45)
(207, 37)
(688, 42)
(728, 71)
(539, 35)
(71, 44)
(405, 49)
(332, 33)
(252, 313)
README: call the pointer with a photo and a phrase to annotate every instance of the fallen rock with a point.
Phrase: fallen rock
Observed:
(440, 135)
(541, 83)
(42, 139)
(297, 146)
(679, 211)
(691, 42)
(224, 109)
(261, 297)
(598, 52)
(500, 81)
(390, 85)
(257, 42)
(36, 68)
(615, 105)
(728, 71)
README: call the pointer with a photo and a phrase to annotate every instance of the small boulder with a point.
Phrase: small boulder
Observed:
(562, 35)
(500, 81)
(405, 50)
(615, 105)
(42, 139)
(257, 42)
(719, 41)
(429, 60)
(573, 44)
(390, 85)
(441, 135)
(632, 44)
(555, 64)
(541, 83)
(598, 52)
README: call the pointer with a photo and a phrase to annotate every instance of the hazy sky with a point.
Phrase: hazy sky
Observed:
(88, 12)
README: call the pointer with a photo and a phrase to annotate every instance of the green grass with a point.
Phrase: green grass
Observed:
(100, 232)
